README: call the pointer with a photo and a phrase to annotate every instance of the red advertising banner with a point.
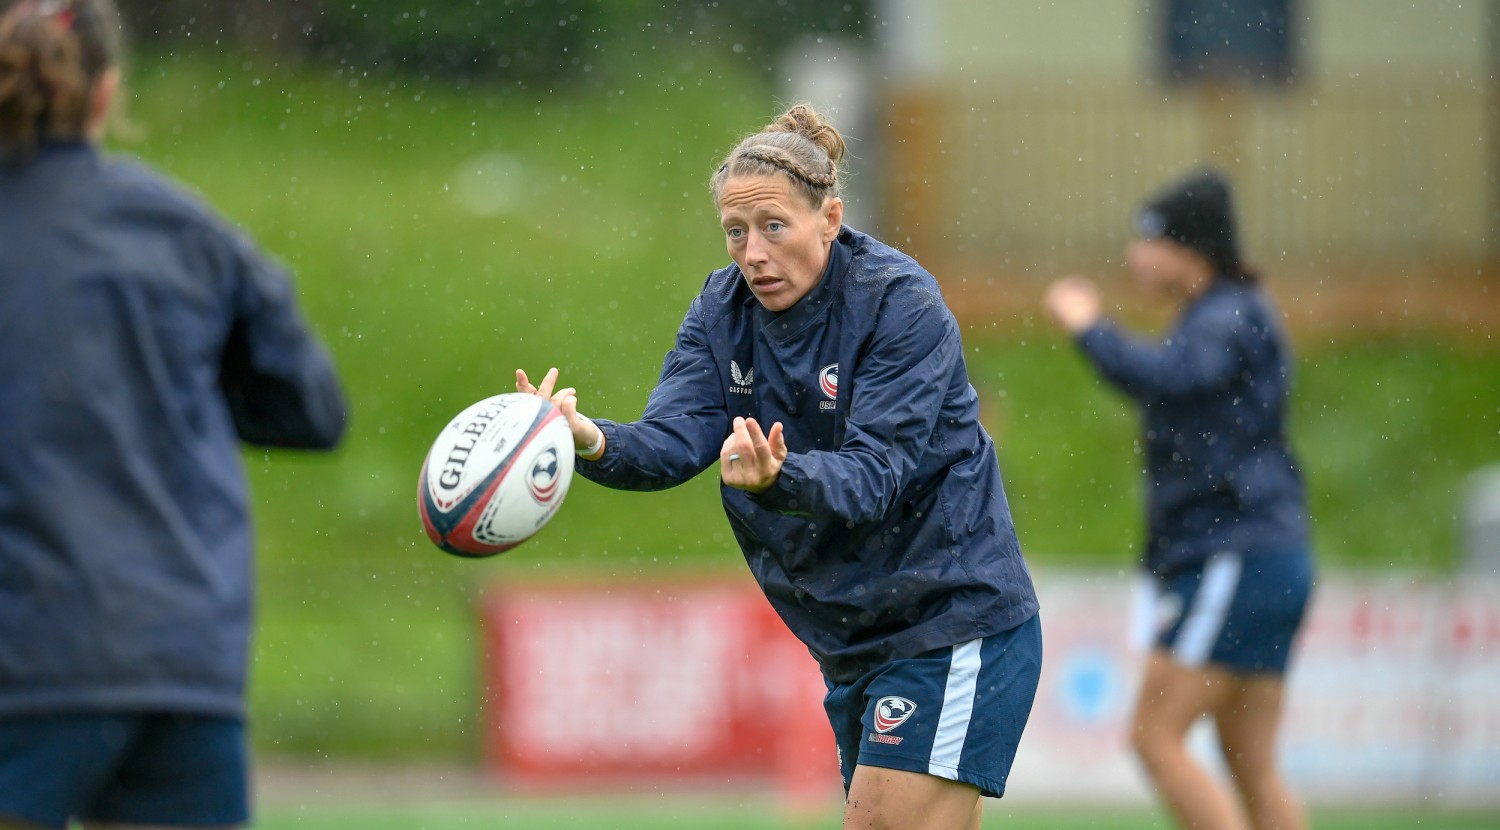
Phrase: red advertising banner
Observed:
(696, 681)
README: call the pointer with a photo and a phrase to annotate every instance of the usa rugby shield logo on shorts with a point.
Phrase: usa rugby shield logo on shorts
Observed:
(891, 712)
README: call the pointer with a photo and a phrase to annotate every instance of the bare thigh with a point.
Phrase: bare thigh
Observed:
(1248, 724)
(888, 799)
(1173, 697)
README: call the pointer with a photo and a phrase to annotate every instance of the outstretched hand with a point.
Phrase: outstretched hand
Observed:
(751, 460)
(1073, 302)
(586, 433)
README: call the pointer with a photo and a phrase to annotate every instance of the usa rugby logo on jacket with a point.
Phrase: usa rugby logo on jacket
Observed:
(742, 380)
(828, 381)
(890, 712)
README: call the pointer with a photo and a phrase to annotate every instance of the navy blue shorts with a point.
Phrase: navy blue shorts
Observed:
(1237, 611)
(151, 769)
(954, 712)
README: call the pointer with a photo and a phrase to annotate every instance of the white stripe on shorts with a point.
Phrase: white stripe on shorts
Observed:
(958, 709)
(1210, 608)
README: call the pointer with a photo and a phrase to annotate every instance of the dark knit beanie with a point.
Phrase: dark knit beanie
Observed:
(1198, 213)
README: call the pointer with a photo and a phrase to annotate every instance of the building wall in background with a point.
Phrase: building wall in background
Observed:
(1046, 124)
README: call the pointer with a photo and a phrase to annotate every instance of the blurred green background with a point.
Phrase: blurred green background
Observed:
(450, 220)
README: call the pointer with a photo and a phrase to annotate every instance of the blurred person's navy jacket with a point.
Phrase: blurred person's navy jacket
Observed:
(887, 533)
(140, 340)
(1213, 394)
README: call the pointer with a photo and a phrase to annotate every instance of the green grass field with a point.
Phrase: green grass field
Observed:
(445, 236)
(697, 813)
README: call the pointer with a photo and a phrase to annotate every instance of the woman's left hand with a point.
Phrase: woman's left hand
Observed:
(750, 460)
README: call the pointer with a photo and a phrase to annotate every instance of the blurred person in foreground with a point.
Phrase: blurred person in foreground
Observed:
(871, 511)
(141, 339)
(1227, 548)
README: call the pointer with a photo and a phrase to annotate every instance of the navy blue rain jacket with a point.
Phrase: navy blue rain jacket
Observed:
(1213, 393)
(887, 533)
(140, 340)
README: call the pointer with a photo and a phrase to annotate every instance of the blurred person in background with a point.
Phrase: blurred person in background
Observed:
(141, 339)
(871, 511)
(1227, 550)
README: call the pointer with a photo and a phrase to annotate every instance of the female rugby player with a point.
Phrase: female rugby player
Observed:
(824, 374)
(1227, 541)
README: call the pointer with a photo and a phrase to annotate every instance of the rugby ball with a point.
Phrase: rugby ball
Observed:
(495, 475)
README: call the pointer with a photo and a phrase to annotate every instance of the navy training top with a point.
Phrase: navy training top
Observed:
(140, 340)
(1212, 394)
(887, 533)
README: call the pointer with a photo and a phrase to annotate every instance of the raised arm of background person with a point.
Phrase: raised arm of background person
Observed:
(279, 381)
(1204, 351)
(684, 424)
(911, 368)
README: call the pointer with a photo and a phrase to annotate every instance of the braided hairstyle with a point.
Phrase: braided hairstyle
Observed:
(800, 144)
(52, 54)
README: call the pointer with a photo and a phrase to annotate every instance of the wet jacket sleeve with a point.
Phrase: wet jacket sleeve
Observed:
(682, 429)
(1202, 354)
(899, 386)
(279, 381)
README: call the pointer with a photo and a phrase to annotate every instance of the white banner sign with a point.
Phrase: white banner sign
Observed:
(1394, 694)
